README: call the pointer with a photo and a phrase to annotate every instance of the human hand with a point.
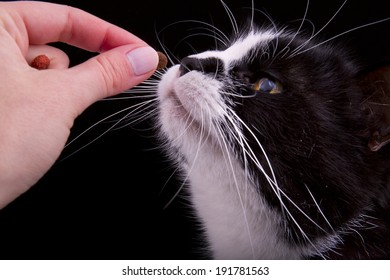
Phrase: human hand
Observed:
(38, 107)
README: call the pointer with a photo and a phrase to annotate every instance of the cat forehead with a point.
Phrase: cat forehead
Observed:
(240, 47)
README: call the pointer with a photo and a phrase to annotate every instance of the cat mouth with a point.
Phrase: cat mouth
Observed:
(177, 104)
(176, 100)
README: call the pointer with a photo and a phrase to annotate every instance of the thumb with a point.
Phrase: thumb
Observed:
(112, 72)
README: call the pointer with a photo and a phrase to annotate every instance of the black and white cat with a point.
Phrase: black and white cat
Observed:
(281, 141)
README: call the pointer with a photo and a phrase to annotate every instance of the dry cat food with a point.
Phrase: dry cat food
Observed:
(40, 62)
(162, 61)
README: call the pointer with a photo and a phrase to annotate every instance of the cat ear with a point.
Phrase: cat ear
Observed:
(377, 84)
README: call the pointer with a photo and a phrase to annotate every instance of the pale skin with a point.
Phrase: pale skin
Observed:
(38, 107)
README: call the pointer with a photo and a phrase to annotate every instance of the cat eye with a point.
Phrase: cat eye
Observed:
(267, 85)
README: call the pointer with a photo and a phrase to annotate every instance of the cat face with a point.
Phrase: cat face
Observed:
(279, 117)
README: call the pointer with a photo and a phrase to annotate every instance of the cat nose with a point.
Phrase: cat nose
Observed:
(204, 65)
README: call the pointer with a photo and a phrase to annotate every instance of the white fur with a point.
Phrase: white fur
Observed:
(240, 48)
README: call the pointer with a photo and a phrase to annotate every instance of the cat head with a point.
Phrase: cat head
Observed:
(303, 122)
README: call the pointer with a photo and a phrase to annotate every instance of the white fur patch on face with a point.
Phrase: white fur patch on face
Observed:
(240, 48)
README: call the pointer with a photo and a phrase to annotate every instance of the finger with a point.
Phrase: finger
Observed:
(58, 58)
(112, 72)
(67, 24)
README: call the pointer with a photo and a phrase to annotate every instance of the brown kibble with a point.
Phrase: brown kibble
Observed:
(162, 61)
(40, 62)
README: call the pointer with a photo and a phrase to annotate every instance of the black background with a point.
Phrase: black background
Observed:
(106, 201)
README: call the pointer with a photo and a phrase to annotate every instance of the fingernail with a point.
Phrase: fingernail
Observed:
(143, 60)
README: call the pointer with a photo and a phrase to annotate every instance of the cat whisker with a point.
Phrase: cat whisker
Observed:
(297, 50)
(176, 170)
(216, 69)
(319, 208)
(240, 95)
(379, 104)
(287, 47)
(169, 54)
(252, 14)
(231, 17)
(143, 96)
(176, 194)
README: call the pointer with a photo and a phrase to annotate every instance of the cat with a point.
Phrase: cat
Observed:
(280, 140)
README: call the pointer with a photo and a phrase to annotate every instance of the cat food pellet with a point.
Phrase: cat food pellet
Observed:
(162, 61)
(40, 62)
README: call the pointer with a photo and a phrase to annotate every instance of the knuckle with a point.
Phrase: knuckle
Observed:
(112, 74)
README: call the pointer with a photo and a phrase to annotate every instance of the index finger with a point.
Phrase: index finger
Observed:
(47, 22)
